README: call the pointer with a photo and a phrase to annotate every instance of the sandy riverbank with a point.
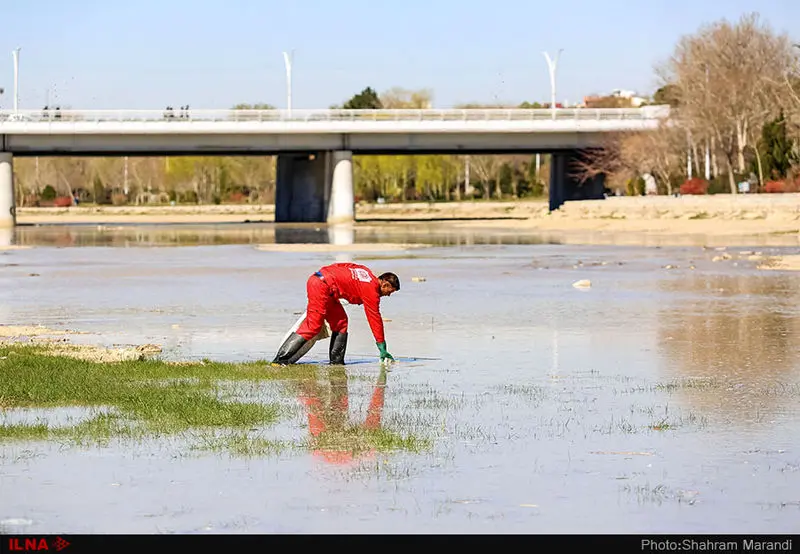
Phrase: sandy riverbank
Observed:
(716, 215)
(56, 342)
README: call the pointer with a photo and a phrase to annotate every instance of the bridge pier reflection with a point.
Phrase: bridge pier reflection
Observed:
(8, 211)
(7, 236)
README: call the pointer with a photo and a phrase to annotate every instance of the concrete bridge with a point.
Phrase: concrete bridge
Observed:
(314, 148)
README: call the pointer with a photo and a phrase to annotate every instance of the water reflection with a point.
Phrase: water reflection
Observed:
(736, 331)
(334, 437)
(118, 235)
(7, 236)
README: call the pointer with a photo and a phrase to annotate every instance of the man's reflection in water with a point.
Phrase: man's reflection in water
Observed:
(334, 438)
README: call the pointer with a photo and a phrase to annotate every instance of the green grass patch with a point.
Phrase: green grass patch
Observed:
(145, 397)
(25, 431)
(209, 403)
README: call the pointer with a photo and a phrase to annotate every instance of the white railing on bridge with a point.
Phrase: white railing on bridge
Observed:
(492, 114)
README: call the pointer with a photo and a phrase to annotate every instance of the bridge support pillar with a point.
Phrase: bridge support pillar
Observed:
(8, 209)
(564, 186)
(315, 187)
(341, 205)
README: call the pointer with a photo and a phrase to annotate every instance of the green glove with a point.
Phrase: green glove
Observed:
(384, 354)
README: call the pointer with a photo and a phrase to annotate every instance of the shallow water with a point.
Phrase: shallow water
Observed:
(658, 400)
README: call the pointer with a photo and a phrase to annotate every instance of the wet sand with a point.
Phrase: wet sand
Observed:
(660, 399)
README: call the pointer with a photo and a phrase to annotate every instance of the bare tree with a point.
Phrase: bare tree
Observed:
(729, 79)
(608, 160)
(487, 167)
(400, 98)
(625, 156)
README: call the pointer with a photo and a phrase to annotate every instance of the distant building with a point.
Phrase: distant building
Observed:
(634, 98)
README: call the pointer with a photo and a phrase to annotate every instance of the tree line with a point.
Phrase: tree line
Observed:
(252, 179)
(733, 88)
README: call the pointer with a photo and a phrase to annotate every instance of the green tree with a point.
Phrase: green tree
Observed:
(775, 150)
(505, 180)
(666, 95)
(367, 99)
(48, 193)
(534, 177)
(99, 192)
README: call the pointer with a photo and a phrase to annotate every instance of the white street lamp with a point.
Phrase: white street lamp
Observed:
(552, 65)
(287, 59)
(15, 53)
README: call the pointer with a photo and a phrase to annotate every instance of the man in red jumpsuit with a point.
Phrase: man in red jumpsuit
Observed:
(357, 285)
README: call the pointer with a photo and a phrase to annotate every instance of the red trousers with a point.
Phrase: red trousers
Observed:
(322, 306)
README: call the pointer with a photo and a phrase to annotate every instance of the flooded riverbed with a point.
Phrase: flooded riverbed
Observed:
(661, 398)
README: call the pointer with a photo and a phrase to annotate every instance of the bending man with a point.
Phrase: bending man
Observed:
(357, 285)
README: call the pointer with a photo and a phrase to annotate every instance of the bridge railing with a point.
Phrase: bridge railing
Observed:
(493, 114)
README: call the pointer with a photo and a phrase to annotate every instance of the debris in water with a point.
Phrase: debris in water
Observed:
(418, 279)
(582, 284)
(528, 505)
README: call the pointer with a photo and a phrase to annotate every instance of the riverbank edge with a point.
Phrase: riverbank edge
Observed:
(717, 214)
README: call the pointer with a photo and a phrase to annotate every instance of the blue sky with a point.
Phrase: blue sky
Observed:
(213, 54)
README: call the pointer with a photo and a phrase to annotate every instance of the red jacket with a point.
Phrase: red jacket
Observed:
(358, 285)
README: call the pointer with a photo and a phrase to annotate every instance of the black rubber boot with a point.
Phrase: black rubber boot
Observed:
(287, 353)
(338, 348)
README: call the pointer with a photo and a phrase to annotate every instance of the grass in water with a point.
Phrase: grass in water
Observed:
(354, 441)
(146, 397)
(240, 443)
(152, 398)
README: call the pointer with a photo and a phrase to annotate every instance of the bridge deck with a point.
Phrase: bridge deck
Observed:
(327, 121)
(266, 132)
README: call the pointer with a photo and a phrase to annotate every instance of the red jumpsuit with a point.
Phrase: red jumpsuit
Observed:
(353, 282)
